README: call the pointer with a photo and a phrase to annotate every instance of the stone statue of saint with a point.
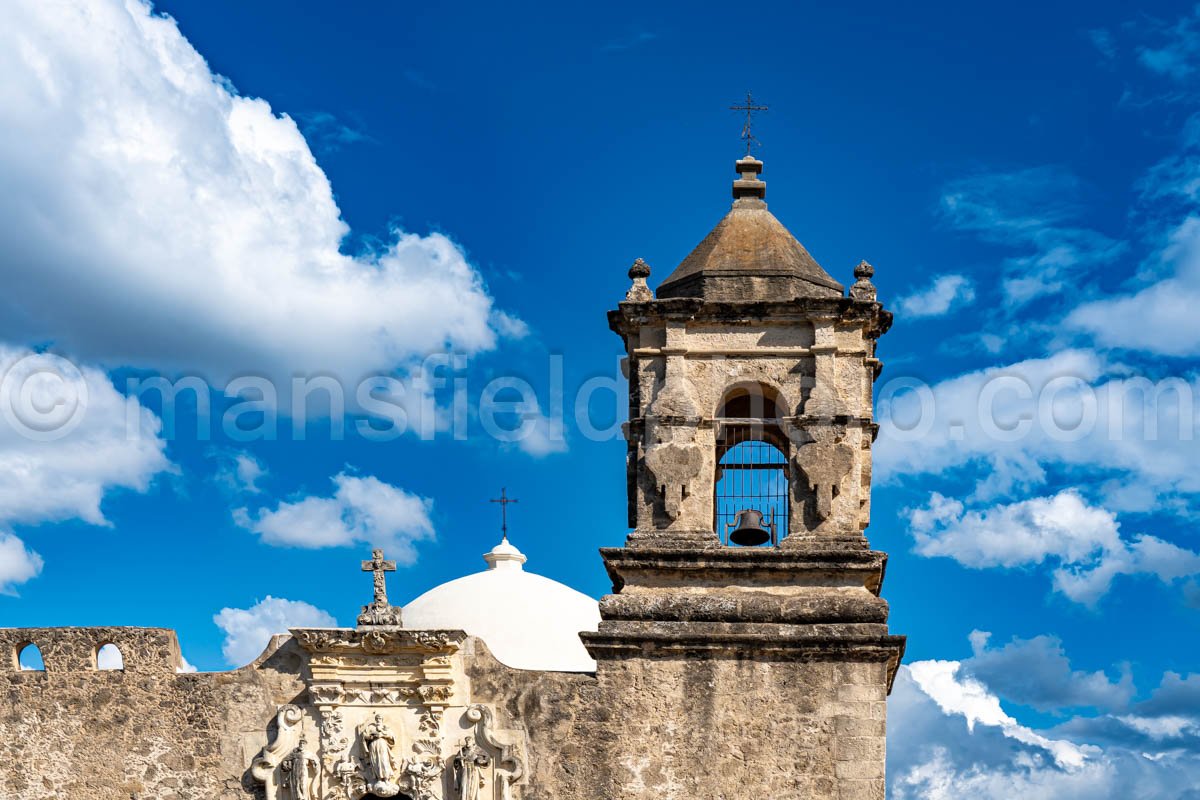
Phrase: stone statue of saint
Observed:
(469, 764)
(378, 741)
(295, 771)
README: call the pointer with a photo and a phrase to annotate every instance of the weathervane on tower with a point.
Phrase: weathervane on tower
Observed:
(749, 106)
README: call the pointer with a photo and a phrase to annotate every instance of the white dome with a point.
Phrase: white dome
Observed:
(526, 620)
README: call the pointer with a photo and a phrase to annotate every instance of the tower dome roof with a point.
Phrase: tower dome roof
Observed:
(750, 255)
(527, 621)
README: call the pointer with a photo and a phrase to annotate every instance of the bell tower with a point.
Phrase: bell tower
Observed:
(745, 616)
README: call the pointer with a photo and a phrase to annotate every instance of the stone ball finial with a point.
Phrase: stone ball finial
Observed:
(639, 292)
(863, 290)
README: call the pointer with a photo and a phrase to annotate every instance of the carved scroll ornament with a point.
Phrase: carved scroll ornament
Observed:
(266, 767)
(508, 758)
(824, 462)
(674, 467)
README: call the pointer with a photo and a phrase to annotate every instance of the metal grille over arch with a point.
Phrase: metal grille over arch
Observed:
(751, 494)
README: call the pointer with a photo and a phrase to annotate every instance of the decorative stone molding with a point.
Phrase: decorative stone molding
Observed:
(508, 756)
(825, 462)
(389, 708)
(674, 467)
(266, 766)
(345, 641)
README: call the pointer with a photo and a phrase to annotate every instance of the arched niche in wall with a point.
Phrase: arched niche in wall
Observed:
(29, 658)
(108, 657)
(751, 481)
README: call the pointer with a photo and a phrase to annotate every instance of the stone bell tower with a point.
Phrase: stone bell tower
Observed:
(758, 670)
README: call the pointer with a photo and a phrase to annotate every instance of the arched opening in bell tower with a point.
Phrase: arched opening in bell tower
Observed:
(750, 493)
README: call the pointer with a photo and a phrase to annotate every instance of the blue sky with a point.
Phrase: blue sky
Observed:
(246, 191)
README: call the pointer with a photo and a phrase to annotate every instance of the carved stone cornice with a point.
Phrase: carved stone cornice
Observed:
(388, 641)
(750, 566)
(771, 643)
(631, 315)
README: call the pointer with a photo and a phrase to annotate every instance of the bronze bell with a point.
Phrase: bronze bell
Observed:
(749, 529)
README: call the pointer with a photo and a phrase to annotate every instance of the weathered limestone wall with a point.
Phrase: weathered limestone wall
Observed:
(150, 733)
(815, 358)
(645, 728)
(727, 728)
(565, 720)
(142, 732)
(678, 729)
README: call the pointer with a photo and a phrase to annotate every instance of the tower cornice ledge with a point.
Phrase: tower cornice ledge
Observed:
(758, 567)
(631, 315)
(767, 642)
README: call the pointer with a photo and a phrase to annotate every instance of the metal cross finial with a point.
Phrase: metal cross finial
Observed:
(503, 500)
(749, 107)
(379, 566)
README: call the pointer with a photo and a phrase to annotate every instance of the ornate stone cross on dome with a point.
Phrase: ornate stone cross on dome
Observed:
(503, 500)
(749, 107)
(379, 612)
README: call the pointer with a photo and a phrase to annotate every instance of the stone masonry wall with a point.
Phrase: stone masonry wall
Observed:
(717, 728)
(141, 733)
(729, 729)
(643, 729)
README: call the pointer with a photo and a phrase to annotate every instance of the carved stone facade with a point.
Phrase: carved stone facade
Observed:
(721, 672)
(390, 714)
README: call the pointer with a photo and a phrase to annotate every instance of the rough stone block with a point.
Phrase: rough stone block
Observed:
(861, 790)
(858, 748)
(859, 770)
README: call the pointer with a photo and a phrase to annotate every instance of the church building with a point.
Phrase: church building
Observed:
(743, 653)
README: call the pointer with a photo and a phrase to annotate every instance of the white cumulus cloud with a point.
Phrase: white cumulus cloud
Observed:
(946, 292)
(18, 563)
(67, 438)
(1036, 672)
(1083, 540)
(238, 471)
(1160, 317)
(1070, 409)
(153, 216)
(951, 735)
(957, 694)
(248, 630)
(361, 509)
